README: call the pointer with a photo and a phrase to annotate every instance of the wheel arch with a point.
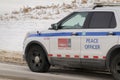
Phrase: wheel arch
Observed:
(35, 43)
(112, 53)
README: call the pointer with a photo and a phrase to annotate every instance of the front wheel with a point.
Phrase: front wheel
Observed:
(115, 67)
(37, 60)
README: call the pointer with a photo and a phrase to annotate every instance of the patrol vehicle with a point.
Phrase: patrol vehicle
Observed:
(89, 38)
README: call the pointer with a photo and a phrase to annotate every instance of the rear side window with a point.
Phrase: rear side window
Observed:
(102, 20)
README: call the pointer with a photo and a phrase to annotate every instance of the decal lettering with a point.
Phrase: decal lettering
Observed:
(91, 40)
(92, 46)
(92, 43)
(64, 43)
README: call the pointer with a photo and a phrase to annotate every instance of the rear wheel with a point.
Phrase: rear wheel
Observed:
(115, 67)
(37, 60)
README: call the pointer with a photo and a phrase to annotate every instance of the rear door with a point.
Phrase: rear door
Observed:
(99, 36)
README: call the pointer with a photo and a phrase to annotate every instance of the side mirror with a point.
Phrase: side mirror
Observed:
(54, 26)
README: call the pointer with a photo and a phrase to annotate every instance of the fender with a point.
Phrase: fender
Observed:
(35, 42)
(109, 55)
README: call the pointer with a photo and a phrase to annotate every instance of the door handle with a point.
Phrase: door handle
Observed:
(111, 33)
(74, 34)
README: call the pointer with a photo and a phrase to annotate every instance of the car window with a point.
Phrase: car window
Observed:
(76, 21)
(102, 20)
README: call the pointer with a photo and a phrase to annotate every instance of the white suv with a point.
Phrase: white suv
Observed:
(88, 38)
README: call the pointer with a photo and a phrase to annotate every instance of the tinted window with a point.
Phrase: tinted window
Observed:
(102, 20)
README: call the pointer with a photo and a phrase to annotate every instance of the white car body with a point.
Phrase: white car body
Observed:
(90, 49)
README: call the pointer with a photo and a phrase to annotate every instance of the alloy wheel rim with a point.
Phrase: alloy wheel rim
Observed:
(36, 59)
(118, 67)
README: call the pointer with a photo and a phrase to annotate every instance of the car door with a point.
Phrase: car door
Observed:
(65, 45)
(99, 36)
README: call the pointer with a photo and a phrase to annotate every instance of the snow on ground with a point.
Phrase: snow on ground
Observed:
(13, 31)
(52, 11)
(17, 17)
(10, 5)
(14, 57)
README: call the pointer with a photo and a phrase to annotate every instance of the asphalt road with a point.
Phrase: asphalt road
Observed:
(16, 72)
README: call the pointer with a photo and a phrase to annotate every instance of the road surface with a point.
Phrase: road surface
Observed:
(16, 72)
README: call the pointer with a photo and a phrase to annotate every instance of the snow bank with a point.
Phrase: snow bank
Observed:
(12, 33)
(7, 6)
(52, 11)
(13, 57)
(17, 17)
(16, 23)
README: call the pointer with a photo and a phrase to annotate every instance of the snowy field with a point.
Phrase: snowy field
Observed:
(17, 17)
(10, 5)
(13, 29)
(12, 33)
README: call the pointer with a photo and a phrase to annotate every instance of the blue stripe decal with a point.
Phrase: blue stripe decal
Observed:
(50, 34)
(70, 34)
(96, 33)
(117, 33)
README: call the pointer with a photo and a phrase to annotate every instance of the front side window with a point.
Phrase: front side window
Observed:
(75, 21)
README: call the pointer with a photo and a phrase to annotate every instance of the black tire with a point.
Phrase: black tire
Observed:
(37, 59)
(115, 67)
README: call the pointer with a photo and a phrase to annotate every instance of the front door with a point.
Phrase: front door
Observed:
(66, 44)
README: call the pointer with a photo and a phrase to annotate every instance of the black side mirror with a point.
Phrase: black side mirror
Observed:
(54, 26)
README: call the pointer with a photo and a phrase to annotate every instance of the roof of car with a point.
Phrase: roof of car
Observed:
(115, 6)
(109, 7)
(102, 6)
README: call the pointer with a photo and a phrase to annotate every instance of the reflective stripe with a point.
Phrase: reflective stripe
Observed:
(59, 55)
(104, 57)
(95, 57)
(76, 56)
(50, 34)
(70, 34)
(67, 56)
(86, 57)
(50, 55)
